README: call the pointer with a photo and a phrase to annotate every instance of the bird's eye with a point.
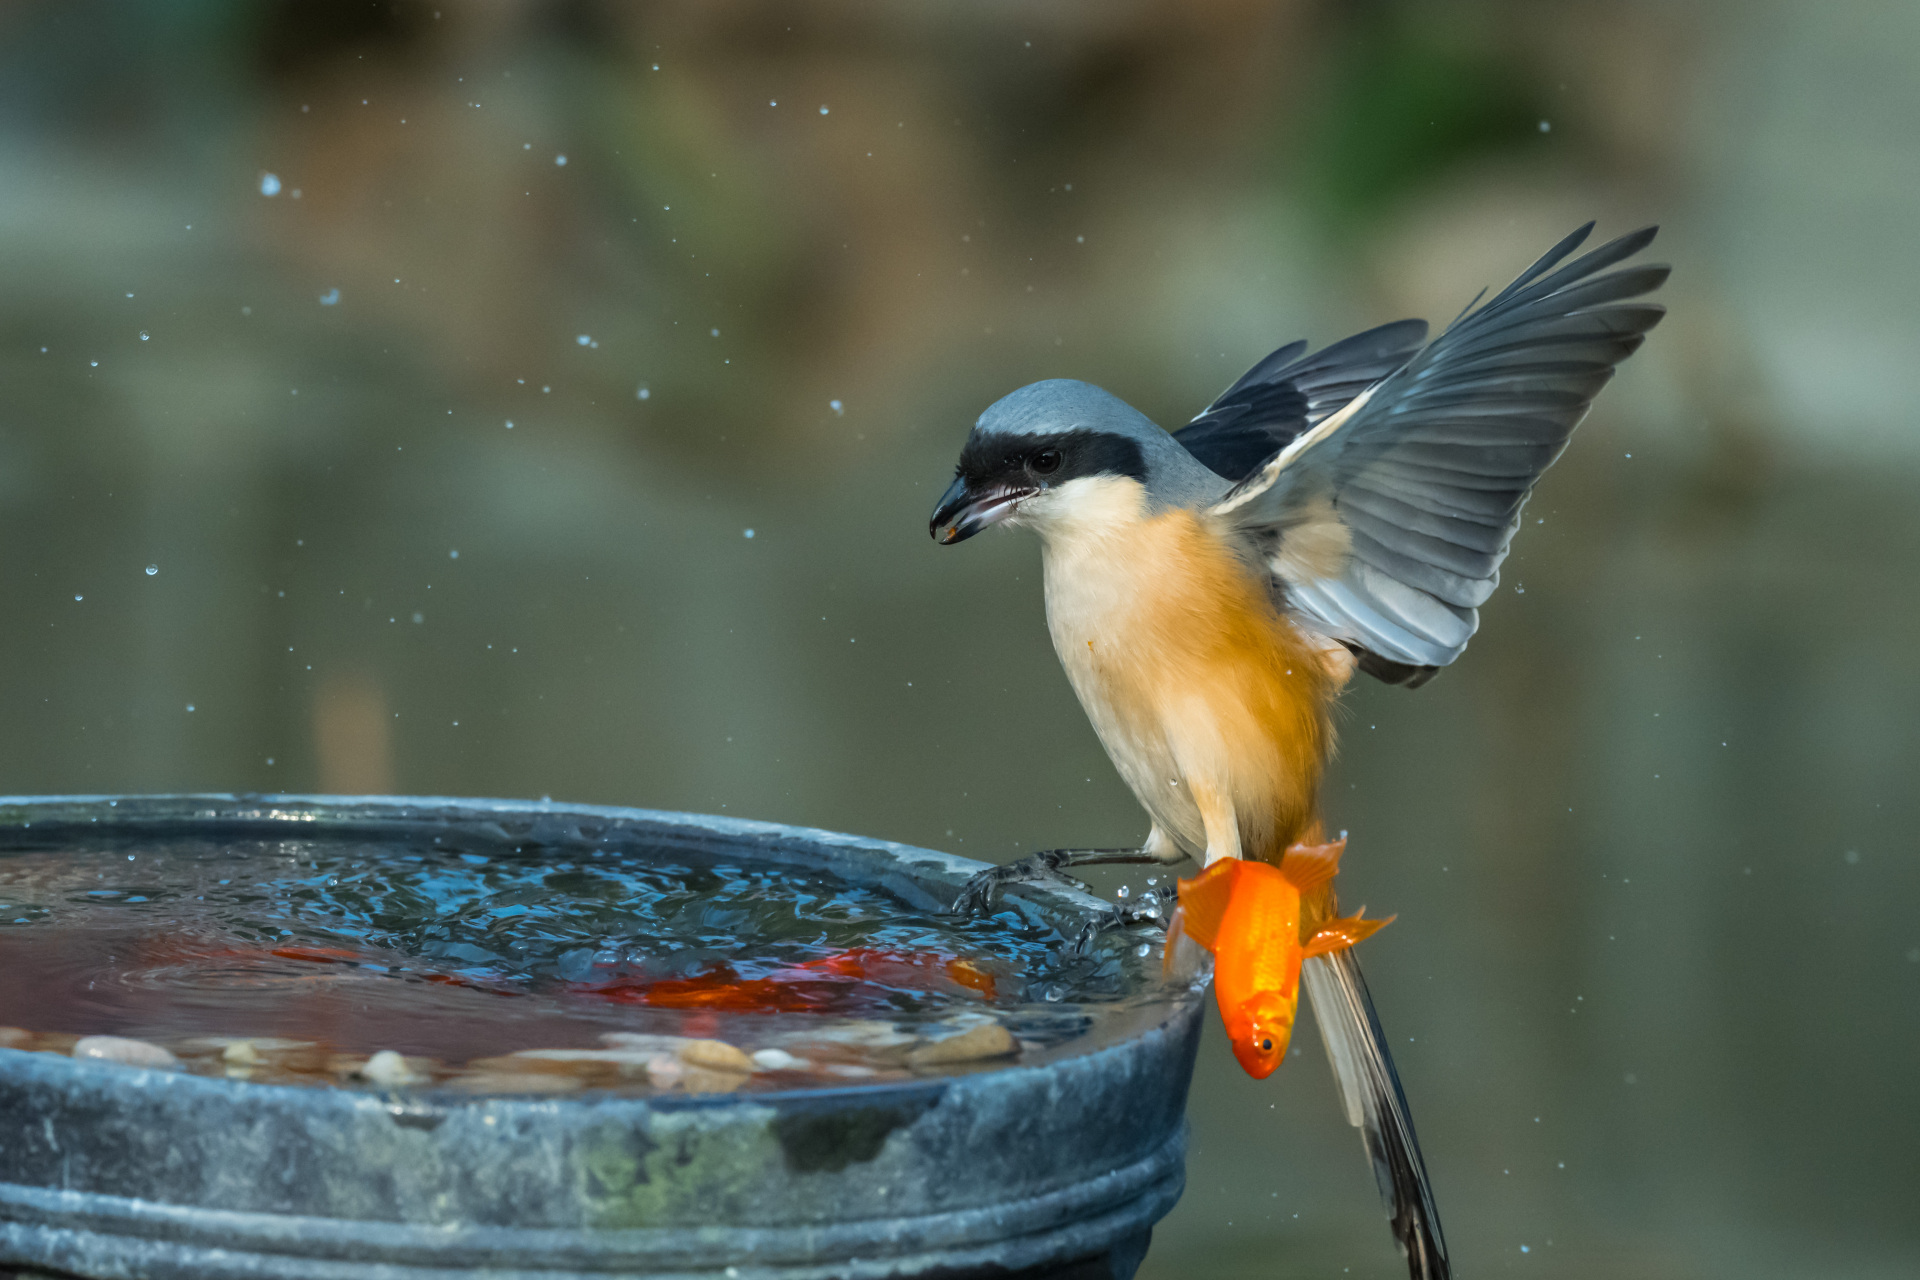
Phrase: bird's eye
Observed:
(1046, 462)
(1266, 1046)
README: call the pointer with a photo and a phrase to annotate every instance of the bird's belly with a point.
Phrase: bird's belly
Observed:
(1120, 673)
(1191, 681)
(1144, 758)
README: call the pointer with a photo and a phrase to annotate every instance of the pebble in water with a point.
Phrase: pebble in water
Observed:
(126, 1052)
(241, 1053)
(987, 1040)
(517, 1082)
(703, 1080)
(714, 1055)
(633, 1042)
(778, 1060)
(859, 1042)
(388, 1069)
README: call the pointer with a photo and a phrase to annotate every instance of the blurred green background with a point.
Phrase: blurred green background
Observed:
(548, 399)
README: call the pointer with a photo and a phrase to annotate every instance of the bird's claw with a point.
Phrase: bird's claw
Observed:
(976, 898)
(1154, 907)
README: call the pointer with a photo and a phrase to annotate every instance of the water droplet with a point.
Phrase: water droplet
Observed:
(1123, 892)
(643, 394)
(152, 569)
(835, 406)
(584, 339)
(79, 597)
(509, 424)
(714, 332)
(269, 184)
(1546, 126)
(143, 335)
(419, 617)
(1144, 950)
(745, 533)
(560, 160)
(453, 555)
(189, 706)
(330, 297)
(823, 111)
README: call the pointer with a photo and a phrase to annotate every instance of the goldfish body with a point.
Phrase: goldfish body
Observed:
(1261, 922)
(839, 982)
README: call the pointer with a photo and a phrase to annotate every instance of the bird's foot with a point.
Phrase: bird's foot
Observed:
(976, 899)
(1046, 867)
(1155, 906)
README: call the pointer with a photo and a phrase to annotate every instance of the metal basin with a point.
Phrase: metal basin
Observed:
(1056, 1164)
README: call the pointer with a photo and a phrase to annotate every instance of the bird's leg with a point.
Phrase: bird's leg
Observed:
(1223, 841)
(1049, 866)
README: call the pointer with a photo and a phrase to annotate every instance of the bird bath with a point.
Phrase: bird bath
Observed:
(323, 1037)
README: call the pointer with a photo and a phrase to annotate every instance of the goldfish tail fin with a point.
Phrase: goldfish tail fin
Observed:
(1203, 900)
(1376, 1105)
(1338, 935)
(1308, 866)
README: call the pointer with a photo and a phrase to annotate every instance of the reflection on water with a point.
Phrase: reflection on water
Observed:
(1655, 981)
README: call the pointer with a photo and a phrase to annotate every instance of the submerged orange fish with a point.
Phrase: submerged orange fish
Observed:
(1261, 922)
(809, 986)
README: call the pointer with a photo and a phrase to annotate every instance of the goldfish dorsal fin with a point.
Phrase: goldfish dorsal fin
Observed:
(1338, 935)
(1203, 900)
(1308, 866)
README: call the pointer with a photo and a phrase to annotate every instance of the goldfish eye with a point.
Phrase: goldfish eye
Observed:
(1266, 1046)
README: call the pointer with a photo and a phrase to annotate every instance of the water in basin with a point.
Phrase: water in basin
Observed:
(341, 961)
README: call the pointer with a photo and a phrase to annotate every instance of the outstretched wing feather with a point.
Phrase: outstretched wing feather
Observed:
(1288, 392)
(1430, 472)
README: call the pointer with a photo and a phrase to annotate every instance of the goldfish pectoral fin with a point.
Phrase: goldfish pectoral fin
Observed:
(1183, 958)
(1203, 900)
(1176, 934)
(1308, 866)
(1338, 935)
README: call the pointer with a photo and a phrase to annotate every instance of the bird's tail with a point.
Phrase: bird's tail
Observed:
(1370, 1088)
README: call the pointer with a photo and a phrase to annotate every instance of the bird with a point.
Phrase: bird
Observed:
(1211, 591)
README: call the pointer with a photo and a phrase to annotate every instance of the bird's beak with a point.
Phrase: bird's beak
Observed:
(963, 512)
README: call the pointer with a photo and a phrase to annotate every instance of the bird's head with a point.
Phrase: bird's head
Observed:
(1057, 448)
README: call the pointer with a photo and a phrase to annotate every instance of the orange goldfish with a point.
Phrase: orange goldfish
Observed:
(1261, 922)
(822, 985)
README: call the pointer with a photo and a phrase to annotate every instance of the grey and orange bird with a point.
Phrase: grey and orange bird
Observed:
(1210, 591)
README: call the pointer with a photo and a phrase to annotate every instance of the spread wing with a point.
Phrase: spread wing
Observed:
(1288, 392)
(1385, 524)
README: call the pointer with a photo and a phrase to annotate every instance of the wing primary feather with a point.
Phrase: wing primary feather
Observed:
(1377, 1106)
(1544, 263)
(1289, 391)
(1423, 473)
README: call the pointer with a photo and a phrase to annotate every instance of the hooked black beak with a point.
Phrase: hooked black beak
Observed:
(963, 512)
